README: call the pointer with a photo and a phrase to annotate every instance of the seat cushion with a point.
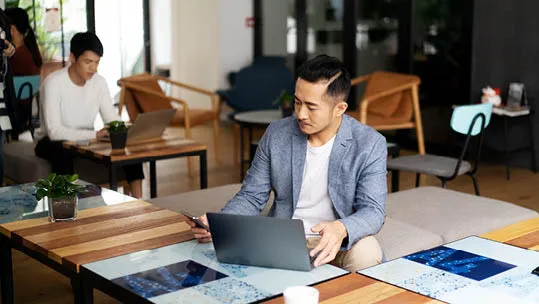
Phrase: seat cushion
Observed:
(398, 238)
(451, 214)
(200, 201)
(428, 164)
(21, 165)
(196, 117)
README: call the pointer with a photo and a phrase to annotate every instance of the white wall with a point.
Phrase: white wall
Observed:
(161, 35)
(235, 40)
(195, 45)
(209, 39)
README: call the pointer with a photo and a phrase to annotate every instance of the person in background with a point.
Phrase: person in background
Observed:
(7, 113)
(71, 99)
(27, 59)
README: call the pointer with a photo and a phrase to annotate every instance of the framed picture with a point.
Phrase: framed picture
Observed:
(516, 96)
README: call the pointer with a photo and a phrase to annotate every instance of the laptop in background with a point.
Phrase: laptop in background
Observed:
(259, 241)
(148, 125)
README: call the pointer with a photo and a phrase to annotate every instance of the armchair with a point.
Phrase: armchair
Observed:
(142, 93)
(390, 102)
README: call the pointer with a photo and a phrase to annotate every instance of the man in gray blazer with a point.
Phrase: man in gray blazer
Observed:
(325, 168)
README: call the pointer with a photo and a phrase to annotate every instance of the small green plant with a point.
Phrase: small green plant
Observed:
(284, 99)
(55, 186)
(117, 126)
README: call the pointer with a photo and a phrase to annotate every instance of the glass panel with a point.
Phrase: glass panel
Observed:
(324, 28)
(376, 36)
(279, 30)
(119, 25)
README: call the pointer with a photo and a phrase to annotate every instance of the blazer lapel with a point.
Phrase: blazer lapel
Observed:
(299, 150)
(340, 147)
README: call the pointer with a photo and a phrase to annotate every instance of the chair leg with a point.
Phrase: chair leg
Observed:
(236, 148)
(395, 180)
(475, 184)
(190, 169)
(217, 141)
(417, 178)
(444, 183)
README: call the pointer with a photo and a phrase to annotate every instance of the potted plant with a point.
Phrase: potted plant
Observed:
(118, 134)
(61, 196)
(286, 101)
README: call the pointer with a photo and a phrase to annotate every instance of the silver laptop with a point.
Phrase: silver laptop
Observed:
(150, 125)
(259, 241)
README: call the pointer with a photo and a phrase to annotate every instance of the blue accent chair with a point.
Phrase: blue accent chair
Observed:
(469, 120)
(26, 87)
(256, 86)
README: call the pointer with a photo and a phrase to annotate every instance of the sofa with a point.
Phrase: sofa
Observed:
(416, 219)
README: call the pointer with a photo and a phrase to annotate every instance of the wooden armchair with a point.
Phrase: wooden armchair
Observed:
(390, 102)
(142, 93)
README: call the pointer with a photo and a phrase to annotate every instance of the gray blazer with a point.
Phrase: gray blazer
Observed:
(356, 183)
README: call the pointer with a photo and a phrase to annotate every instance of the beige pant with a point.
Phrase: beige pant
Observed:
(365, 253)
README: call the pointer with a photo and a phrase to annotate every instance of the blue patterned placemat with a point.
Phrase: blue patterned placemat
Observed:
(471, 270)
(190, 273)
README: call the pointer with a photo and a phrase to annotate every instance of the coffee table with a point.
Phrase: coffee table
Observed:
(112, 225)
(355, 287)
(168, 146)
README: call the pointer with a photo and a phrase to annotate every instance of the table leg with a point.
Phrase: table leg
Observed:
(506, 150)
(242, 160)
(112, 177)
(532, 143)
(203, 170)
(6, 271)
(153, 179)
(83, 291)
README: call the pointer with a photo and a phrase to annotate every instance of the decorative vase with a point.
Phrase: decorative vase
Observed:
(62, 208)
(118, 140)
(287, 109)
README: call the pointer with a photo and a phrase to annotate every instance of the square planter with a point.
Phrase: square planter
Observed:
(62, 208)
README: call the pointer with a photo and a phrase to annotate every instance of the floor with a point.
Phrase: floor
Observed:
(35, 283)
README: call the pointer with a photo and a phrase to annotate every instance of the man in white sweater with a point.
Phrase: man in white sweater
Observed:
(72, 98)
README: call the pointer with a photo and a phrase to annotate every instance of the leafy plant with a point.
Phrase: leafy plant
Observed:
(284, 99)
(117, 126)
(55, 186)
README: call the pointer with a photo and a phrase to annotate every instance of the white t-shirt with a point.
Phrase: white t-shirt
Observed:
(314, 204)
(68, 111)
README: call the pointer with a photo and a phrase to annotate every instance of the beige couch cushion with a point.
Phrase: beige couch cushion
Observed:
(451, 214)
(398, 239)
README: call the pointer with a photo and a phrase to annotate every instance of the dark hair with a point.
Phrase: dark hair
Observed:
(82, 42)
(19, 18)
(324, 67)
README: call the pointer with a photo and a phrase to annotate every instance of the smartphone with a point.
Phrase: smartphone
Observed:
(196, 220)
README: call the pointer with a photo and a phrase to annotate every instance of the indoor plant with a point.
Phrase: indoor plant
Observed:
(61, 195)
(286, 101)
(118, 134)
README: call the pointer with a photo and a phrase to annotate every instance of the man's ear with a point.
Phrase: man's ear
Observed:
(72, 58)
(340, 108)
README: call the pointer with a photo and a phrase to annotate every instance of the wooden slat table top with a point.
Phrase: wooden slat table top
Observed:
(100, 233)
(166, 145)
(356, 288)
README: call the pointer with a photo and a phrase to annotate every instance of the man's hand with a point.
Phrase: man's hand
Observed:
(333, 233)
(10, 49)
(202, 235)
(102, 133)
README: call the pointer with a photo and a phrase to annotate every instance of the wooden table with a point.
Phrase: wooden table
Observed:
(356, 288)
(168, 146)
(97, 234)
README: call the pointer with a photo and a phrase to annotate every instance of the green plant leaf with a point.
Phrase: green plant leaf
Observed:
(41, 193)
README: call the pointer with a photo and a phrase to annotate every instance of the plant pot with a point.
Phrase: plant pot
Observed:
(62, 208)
(287, 110)
(118, 140)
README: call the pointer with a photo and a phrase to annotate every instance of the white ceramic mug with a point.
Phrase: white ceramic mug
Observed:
(301, 295)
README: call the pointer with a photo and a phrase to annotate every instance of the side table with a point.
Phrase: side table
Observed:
(506, 115)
